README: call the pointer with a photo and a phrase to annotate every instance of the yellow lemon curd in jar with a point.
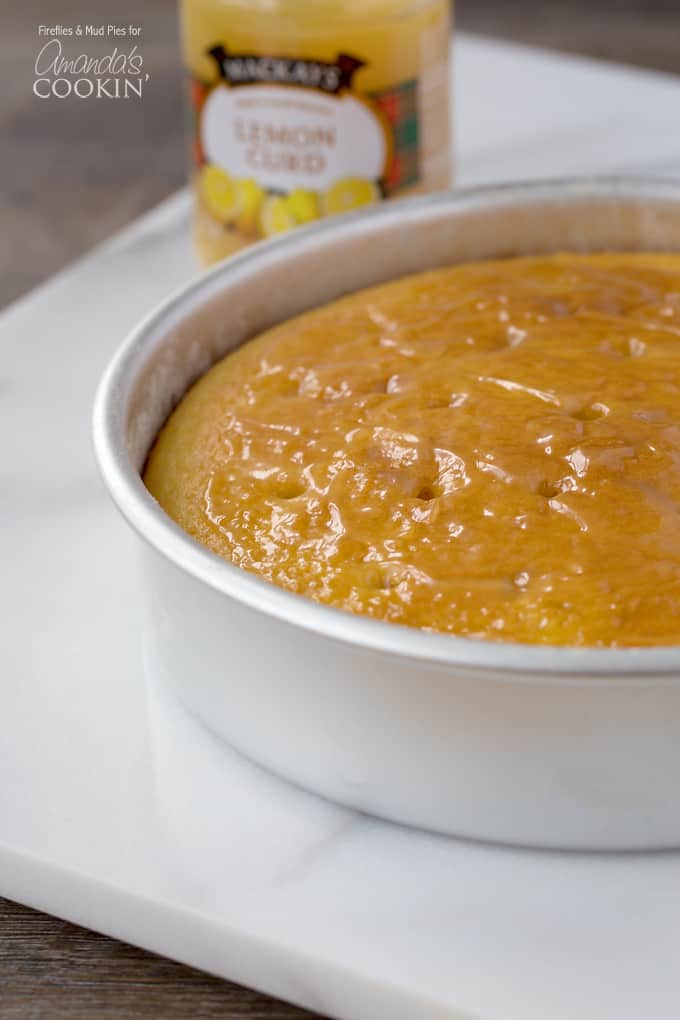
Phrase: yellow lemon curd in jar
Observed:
(489, 450)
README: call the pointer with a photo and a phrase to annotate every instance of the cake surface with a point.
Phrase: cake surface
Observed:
(490, 450)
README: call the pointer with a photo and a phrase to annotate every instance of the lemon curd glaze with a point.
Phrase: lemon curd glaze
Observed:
(490, 450)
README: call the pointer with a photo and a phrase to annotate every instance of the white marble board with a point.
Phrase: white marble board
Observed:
(119, 812)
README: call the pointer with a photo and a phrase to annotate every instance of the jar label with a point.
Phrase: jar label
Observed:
(290, 141)
(280, 142)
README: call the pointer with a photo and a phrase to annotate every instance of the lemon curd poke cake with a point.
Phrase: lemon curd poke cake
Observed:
(489, 450)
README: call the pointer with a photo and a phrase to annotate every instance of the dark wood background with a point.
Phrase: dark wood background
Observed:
(69, 177)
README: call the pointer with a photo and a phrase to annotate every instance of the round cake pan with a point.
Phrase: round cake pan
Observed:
(534, 745)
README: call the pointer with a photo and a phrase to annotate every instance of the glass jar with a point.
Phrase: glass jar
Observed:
(303, 108)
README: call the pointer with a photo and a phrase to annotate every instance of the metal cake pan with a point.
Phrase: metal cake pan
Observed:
(533, 745)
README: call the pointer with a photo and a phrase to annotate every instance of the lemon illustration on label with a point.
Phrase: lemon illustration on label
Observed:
(275, 216)
(232, 202)
(218, 191)
(304, 205)
(349, 193)
(249, 198)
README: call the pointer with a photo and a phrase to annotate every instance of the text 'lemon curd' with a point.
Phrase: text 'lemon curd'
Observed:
(489, 450)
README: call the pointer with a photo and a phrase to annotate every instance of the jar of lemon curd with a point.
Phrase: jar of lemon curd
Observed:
(300, 109)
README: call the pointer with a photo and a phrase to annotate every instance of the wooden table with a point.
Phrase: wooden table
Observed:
(68, 178)
(54, 970)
